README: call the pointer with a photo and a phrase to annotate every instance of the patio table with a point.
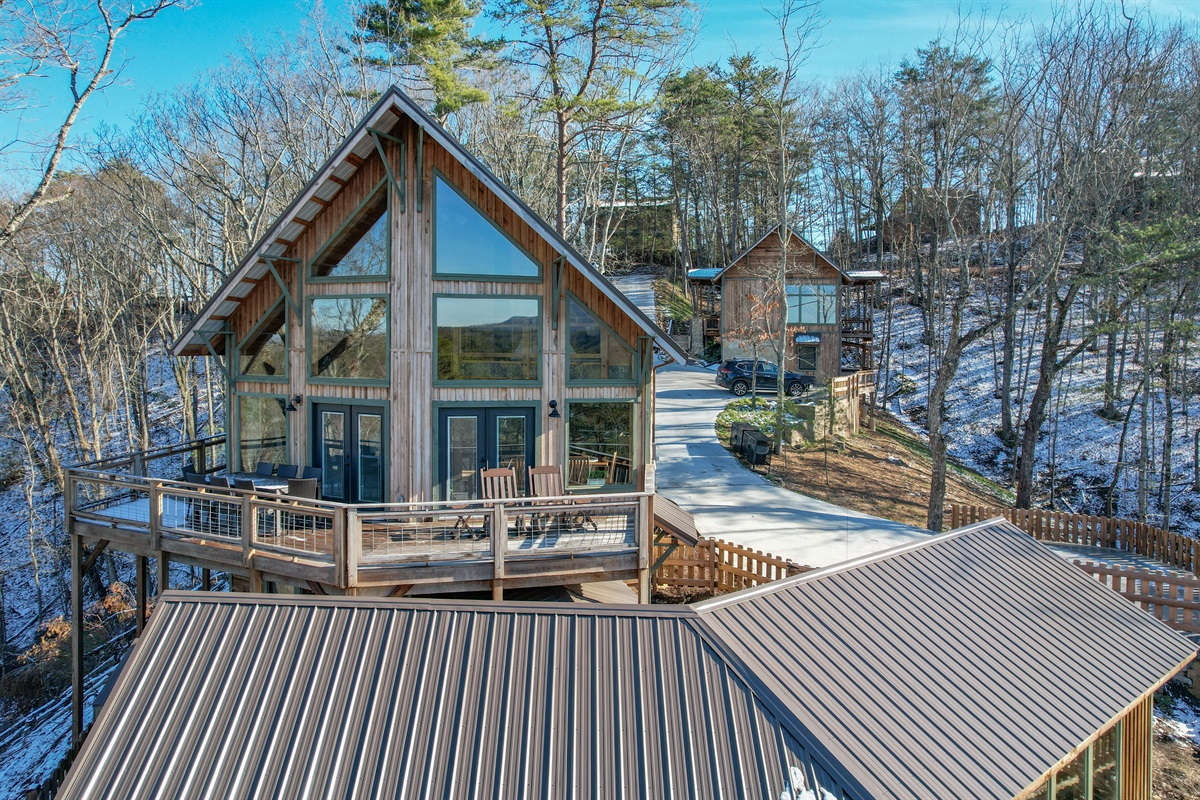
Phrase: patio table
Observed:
(271, 483)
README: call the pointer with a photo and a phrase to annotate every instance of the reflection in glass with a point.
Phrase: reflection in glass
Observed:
(487, 338)
(370, 458)
(1106, 765)
(1070, 782)
(349, 338)
(806, 357)
(361, 248)
(462, 457)
(265, 354)
(262, 430)
(812, 304)
(596, 354)
(333, 452)
(510, 446)
(468, 243)
(599, 444)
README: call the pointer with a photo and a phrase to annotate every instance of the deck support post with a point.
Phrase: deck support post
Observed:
(255, 580)
(164, 572)
(141, 579)
(76, 641)
(206, 579)
(644, 532)
(499, 545)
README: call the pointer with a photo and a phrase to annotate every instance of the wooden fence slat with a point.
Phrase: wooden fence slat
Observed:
(719, 566)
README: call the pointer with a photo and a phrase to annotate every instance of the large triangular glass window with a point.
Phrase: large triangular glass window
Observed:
(467, 243)
(360, 248)
(596, 354)
(263, 354)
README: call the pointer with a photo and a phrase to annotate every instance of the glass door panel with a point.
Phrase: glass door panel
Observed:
(472, 439)
(333, 456)
(370, 457)
(462, 460)
(510, 446)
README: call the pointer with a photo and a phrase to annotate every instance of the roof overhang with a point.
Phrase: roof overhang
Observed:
(721, 274)
(328, 180)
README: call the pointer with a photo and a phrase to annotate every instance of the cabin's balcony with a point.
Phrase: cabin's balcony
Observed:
(135, 504)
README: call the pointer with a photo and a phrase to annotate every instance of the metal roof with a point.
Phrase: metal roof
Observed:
(704, 273)
(384, 116)
(967, 665)
(275, 696)
(865, 275)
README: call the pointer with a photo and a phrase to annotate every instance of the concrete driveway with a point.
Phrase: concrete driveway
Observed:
(730, 502)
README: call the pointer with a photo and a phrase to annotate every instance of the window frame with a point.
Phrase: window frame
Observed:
(254, 331)
(237, 414)
(541, 345)
(633, 354)
(309, 353)
(382, 277)
(799, 295)
(459, 276)
(634, 435)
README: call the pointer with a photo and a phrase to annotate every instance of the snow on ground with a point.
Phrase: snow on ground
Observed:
(1078, 448)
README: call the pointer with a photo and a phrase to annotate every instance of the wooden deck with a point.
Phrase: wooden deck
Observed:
(332, 547)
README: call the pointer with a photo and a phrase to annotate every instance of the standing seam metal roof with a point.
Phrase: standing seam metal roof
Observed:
(927, 671)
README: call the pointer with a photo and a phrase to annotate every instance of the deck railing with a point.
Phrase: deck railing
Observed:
(1171, 598)
(716, 566)
(347, 545)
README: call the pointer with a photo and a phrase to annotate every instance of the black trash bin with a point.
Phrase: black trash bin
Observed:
(736, 431)
(756, 446)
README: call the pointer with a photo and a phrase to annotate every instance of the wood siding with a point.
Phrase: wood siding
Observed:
(1136, 749)
(411, 287)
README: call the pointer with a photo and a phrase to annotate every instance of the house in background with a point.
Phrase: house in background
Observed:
(827, 309)
(975, 665)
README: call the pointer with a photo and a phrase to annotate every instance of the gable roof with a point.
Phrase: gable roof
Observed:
(923, 671)
(384, 116)
(721, 273)
(927, 668)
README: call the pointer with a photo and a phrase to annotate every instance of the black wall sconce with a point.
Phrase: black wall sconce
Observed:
(554, 410)
(295, 402)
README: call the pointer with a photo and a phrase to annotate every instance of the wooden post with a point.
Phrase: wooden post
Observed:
(156, 515)
(352, 551)
(645, 532)
(255, 580)
(499, 545)
(76, 641)
(206, 579)
(141, 578)
(164, 572)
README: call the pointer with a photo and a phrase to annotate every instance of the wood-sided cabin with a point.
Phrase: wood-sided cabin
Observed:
(408, 320)
(405, 323)
(750, 296)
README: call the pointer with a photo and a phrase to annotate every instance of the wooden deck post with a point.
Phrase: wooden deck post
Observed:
(141, 578)
(499, 545)
(76, 641)
(164, 572)
(206, 579)
(644, 533)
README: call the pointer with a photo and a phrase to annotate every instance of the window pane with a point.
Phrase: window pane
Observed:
(370, 458)
(793, 304)
(1070, 782)
(462, 457)
(333, 455)
(487, 338)
(600, 444)
(818, 304)
(349, 338)
(806, 357)
(262, 430)
(1106, 766)
(361, 248)
(510, 446)
(595, 355)
(468, 243)
(266, 353)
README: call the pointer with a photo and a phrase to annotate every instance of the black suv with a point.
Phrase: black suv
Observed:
(737, 375)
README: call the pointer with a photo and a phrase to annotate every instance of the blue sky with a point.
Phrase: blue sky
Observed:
(179, 45)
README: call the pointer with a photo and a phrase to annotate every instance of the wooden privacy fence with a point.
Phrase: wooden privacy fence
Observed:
(1171, 598)
(716, 566)
(1172, 549)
